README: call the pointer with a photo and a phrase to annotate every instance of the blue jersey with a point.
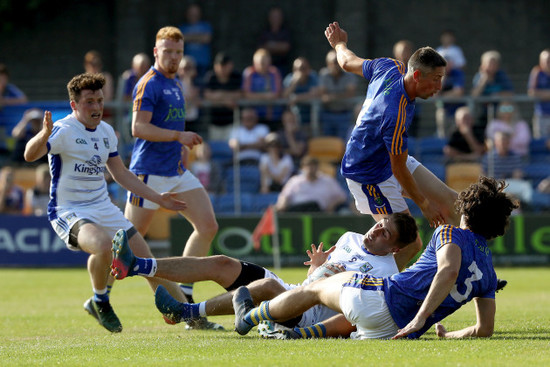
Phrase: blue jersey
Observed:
(406, 291)
(164, 98)
(381, 127)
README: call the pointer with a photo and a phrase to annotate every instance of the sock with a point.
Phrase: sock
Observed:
(109, 287)
(202, 309)
(145, 267)
(101, 295)
(260, 313)
(315, 331)
(187, 289)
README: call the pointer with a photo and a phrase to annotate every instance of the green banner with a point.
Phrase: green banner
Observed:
(527, 241)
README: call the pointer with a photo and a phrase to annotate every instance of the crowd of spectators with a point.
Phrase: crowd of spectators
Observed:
(224, 104)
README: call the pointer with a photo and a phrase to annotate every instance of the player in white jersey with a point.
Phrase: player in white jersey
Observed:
(80, 148)
(455, 268)
(376, 252)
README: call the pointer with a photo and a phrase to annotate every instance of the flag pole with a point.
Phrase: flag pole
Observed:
(275, 241)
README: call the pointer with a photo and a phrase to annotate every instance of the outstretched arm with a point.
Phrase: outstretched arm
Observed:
(130, 182)
(485, 312)
(448, 265)
(338, 39)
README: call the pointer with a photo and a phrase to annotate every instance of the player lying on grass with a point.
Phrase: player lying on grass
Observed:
(381, 251)
(455, 268)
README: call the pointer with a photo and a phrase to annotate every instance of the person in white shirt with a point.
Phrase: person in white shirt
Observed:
(80, 148)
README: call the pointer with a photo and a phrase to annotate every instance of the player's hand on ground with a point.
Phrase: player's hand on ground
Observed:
(169, 201)
(440, 330)
(416, 324)
(189, 139)
(317, 256)
(335, 34)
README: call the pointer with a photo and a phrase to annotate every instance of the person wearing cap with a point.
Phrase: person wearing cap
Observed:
(29, 125)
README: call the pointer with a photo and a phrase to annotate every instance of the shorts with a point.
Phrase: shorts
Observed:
(104, 214)
(383, 198)
(185, 182)
(366, 308)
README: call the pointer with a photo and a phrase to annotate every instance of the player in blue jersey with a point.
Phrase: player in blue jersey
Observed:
(158, 123)
(376, 164)
(455, 268)
(80, 148)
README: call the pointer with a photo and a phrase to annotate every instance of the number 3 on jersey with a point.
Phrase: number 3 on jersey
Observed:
(476, 275)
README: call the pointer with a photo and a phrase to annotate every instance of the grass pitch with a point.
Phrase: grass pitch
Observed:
(43, 323)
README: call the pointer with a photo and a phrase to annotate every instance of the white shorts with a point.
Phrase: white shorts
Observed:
(365, 307)
(161, 184)
(104, 214)
(383, 198)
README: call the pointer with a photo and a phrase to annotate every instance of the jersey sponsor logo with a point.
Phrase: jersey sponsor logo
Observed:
(347, 249)
(366, 267)
(388, 83)
(175, 114)
(81, 141)
(91, 166)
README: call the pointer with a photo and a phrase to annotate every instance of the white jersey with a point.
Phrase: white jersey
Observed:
(351, 253)
(78, 157)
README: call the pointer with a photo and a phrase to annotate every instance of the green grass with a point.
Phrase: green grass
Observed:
(42, 322)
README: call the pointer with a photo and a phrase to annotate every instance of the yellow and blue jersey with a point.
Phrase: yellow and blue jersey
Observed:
(405, 291)
(381, 126)
(164, 98)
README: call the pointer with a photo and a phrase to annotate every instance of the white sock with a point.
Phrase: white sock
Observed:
(202, 309)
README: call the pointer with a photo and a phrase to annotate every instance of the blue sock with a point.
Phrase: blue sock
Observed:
(142, 266)
(101, 295)
(260, 313)
(192, 311)
(315, 331)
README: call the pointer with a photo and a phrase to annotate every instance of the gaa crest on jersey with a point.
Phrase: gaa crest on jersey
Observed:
(81, 141)
(365, 268)
(106, 142)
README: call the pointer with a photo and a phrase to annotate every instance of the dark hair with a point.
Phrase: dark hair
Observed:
(406, 228)
(426, 59)
(84, 81)
(4, 70)
(486, 207)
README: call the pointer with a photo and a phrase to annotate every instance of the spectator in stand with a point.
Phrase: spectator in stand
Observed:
(293, 138)
(402, 51)
(300, 87)
(509, 120)
(311, 191)
(500, 162)
(198, 38)
(466, 142)
(452, 51)
(276, 166)
(38, 197)
(453, 86)
(247, 140)
(539, 87)
(262, 82)
(29, 125)
(93, 63)
(206, 170)
(336, 88)
(222, 87)
(140, 64)
(490, 81)
(276, 39)
(187, 74)
(12, 196)
(10, 95)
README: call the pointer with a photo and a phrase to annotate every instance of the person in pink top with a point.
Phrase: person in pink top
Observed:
(508, 120)
(311, 191)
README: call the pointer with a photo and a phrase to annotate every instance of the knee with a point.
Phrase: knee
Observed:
(208, 228)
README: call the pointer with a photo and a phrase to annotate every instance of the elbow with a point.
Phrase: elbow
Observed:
(484, 332)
